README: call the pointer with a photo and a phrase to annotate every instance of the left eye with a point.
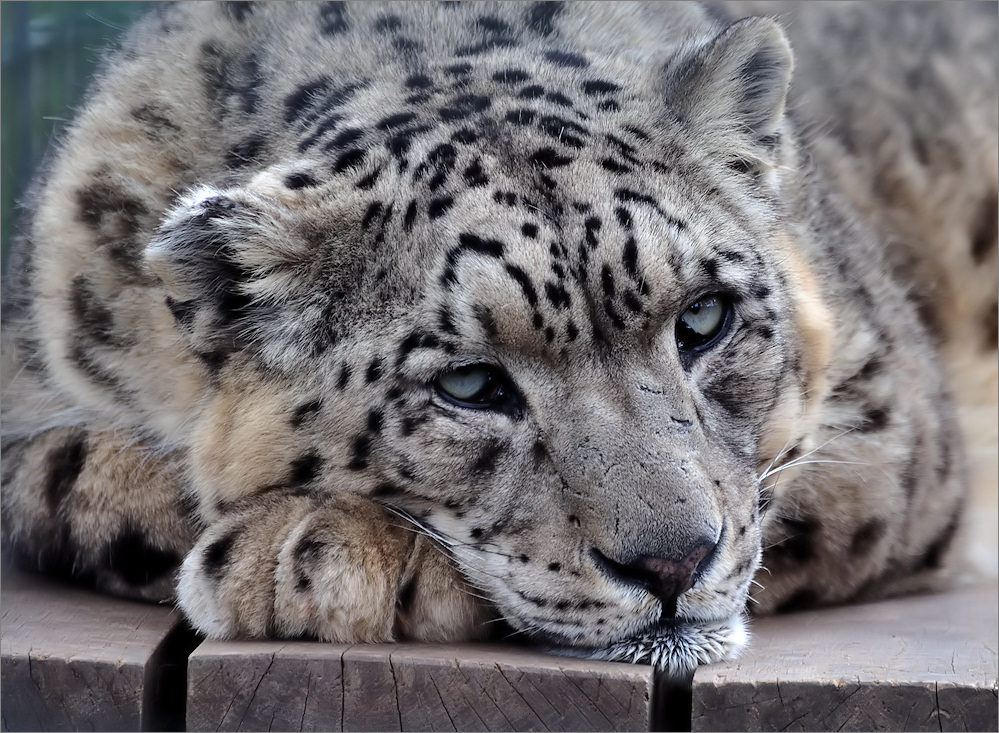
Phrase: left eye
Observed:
(478, 386)
(703, 323)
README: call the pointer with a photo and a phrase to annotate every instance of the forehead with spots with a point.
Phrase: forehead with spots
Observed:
(514, 189)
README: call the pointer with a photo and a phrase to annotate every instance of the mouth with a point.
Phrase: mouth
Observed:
(674, 647)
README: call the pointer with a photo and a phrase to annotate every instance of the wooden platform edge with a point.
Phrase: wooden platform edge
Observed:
(72, 659)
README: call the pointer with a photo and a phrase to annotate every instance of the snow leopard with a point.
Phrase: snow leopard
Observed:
(600, 325)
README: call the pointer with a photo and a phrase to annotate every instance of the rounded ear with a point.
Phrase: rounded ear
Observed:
(735, 85)
(239, 266)
(212, 252)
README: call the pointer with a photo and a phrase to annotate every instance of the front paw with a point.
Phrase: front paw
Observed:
(292, 566)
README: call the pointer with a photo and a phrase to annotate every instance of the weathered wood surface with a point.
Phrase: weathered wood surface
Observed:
(71, 659)
(918, 663)
(76, 660)
(409, 687)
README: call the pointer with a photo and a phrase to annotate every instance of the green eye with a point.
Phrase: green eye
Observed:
(478, 386)
(703, 323)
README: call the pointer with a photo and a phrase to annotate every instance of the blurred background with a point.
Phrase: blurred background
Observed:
(48, 50)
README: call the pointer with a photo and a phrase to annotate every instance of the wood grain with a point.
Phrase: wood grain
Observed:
(409, 687)
(918, 663)
(71, 659)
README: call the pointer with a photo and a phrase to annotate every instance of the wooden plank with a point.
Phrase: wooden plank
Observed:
(265, 685)
(917, 663)
(502, 688)
(409, 687)
(72, 659)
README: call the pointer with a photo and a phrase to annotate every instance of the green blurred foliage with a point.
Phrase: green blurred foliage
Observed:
(48, 50)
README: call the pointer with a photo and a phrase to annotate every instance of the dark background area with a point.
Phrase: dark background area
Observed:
(48, 50)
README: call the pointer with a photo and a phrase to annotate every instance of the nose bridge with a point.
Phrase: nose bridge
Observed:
(642, 465)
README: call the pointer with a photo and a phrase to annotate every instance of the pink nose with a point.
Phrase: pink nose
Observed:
(664, 578)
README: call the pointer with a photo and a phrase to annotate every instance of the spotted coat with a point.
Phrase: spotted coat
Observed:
(375, 321)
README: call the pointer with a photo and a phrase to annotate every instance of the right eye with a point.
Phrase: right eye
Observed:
(477, 387)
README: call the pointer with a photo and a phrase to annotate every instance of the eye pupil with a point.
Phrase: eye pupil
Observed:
(703, 323)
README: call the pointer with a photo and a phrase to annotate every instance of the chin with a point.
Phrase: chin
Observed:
(674, 647)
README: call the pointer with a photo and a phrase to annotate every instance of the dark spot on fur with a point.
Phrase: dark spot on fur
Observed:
(799, 545)
(238, 10)
(305, 411)
(375, 420)
(350, 159)
(567, 59)
(419, 81)
(598, 86)
(465, 136)
(386, 489)
(524, 280)
(374, 211)
(875, 419)
(309, 549)
(94, 319)
(246, 152)
(148, 115)
(468, 243)
(986, 232)
(609, 164)
(474, 175)
(397, 120)
(304, 583)
(439, 206)
(345, 138)
(554, 567)
(295, 181)
(936, 552)
(541, 17)
(548, 158)
(909, 477)
(557, 295)
(867, 537)
(388, 24)
(304, 469)
(463, 107)
(359, 452)
(374, 371)
(136, 561)
(486, 319)
(558, 98)
(216, 555)
(486, 462)
(462, 69)
(333, 18)
(344, 378)
(511, 76)
(108, 208)
(65, 464)
(629, 258)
